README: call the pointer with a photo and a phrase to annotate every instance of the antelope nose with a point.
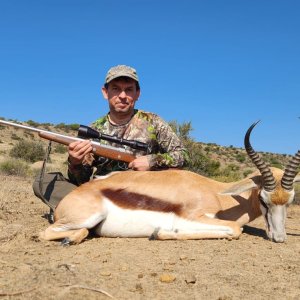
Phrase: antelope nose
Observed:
(279, 237)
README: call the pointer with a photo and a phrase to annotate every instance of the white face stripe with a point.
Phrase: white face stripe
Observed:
(274, 215)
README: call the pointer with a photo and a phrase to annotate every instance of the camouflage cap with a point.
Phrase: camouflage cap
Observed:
(119, 71)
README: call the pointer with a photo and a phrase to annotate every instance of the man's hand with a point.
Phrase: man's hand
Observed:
(77, 151)
(141, 163)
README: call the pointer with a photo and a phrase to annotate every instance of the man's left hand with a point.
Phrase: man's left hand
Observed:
(141, 163)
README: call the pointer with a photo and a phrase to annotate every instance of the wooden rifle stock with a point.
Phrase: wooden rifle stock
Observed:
(98, 149)
(107, 151)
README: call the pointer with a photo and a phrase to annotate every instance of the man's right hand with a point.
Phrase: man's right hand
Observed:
(78, 150)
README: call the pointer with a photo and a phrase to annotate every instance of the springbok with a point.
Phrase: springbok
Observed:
(177, 204)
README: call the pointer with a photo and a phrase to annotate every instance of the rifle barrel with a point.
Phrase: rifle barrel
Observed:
(98, 148)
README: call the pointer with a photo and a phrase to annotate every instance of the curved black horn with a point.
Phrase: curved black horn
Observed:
(269, 181)
(290, 172)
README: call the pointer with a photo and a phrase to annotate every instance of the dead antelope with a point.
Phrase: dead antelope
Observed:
(177, 204)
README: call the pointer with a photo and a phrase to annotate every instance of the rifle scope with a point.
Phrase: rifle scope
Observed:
(86, 132)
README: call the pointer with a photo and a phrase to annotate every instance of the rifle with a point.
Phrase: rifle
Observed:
(98, 148)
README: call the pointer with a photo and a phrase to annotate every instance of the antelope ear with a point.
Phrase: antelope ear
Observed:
(240, 187)
(297, 178)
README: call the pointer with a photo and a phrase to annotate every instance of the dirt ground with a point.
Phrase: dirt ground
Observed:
(249, 268)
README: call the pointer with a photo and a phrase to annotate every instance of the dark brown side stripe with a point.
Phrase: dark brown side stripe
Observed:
(130, 200)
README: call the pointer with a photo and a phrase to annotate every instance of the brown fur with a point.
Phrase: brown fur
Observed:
(131, 200)
(280, 196)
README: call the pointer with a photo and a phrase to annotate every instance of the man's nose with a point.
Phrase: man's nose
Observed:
(122, 94)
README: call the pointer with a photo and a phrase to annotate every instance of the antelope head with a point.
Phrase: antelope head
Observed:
(277, 190)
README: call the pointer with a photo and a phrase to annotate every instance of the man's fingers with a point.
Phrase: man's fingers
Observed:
(140, 164)
(77, 151)
(77, 145)
(83, 148)
(73, 145)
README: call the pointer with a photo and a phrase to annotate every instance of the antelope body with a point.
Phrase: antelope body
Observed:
(176, 204)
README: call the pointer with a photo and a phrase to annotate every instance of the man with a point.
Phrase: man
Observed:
(122, 90)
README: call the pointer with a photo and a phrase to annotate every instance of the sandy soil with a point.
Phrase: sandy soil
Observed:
(249, 268)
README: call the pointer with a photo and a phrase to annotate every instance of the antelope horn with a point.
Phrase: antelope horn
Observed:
(269, 181)
(290, 172)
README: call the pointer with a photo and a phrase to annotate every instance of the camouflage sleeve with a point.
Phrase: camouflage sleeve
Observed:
(82, 173)
(171, 150)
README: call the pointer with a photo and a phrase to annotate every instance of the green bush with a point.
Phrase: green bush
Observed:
(247, 172)
(240, 157)
(33, 123)
(231, 177)
(74, 127)
(29, 151)
(15, 167)
(59, 148)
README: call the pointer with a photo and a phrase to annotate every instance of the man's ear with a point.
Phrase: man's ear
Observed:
(104, 93)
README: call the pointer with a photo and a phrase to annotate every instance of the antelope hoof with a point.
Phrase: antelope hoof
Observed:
(154, 235)
(66, 242)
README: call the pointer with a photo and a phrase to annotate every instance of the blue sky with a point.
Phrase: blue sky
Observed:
(221, 64)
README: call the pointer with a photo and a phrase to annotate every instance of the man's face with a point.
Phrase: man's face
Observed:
(121, 95)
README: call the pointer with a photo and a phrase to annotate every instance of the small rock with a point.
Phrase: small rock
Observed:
(105, 273)
(140, 276)
(190, 279)
(167, 278)
(124, 268)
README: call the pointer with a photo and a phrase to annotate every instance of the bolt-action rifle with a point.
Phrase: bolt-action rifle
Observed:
(98, 148)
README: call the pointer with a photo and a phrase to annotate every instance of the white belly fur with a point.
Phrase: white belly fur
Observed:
(121, 222)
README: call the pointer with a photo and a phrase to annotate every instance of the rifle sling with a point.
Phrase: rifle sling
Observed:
(42, 174)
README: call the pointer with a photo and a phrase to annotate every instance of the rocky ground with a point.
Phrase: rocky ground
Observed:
(99, 268)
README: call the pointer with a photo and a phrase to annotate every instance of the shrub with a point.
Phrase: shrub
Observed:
(74, 127)
(240, 157)
(67, 127)
(29, 134)
(29, 151)
(200, 163)
(247, 172)
(60, 149)
(32, 123)
(15, 137)
(15, 167)
(227, 177)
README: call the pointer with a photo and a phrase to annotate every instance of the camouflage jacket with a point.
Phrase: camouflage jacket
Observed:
(166, 148)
